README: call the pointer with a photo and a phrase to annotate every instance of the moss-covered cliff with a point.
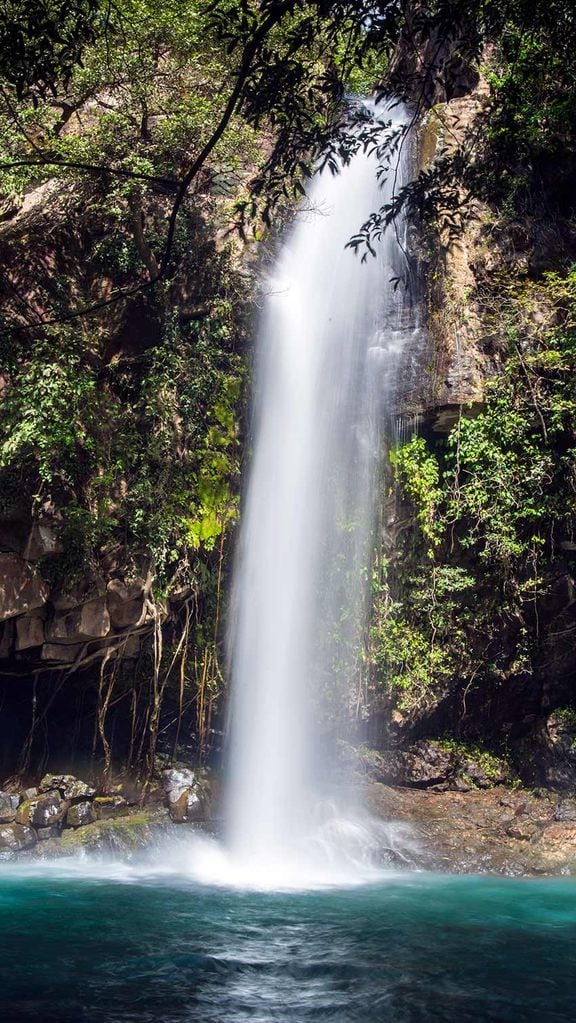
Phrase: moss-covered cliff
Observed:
(125, 303)
(473, 631)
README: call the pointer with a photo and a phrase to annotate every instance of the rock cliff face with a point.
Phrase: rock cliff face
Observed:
(119, 456)
(41, 627)
(51, 619)
(487, 306)
(459, 357)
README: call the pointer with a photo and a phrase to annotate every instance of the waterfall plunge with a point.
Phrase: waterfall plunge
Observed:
(330, 335)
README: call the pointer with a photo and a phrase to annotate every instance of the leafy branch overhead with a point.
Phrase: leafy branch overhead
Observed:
(42, 41)
(167, 92)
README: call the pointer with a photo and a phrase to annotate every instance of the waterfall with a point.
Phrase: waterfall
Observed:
(329, 341)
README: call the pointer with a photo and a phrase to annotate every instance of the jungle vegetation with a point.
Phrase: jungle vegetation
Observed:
(163, 140)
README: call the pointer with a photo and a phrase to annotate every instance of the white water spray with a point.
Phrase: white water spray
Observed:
(330, 337)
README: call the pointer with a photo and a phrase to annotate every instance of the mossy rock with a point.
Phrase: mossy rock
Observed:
(124, 834)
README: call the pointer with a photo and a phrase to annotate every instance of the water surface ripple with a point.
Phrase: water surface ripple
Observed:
(413, 949)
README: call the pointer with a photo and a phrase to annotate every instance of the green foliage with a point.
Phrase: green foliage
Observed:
(565, 717)
(533, 110)
(127, 424)
(145, 460)
(41, 41)
(418, 639)
(418, 472)
(51, 411)
(493, 766)
(489, 507)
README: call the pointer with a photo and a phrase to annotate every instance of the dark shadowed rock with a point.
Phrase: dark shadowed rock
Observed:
(15, 837)
(547, 755)
(126, 602)
(29, 631)
(8, 806)
(61, 653)
(484, 770)
(42, 811)
(21, 587)
(80, 814)
(43, 541)
(67, 785)
(425, 763)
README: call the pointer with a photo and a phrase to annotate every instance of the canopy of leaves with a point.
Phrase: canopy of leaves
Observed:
(493, 507)
(41, 41)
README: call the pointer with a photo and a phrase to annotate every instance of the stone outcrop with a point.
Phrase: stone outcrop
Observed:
(184, 794)
(496, 831)
(41, 626)
(547, 753)
(460, 359)
(63, 813)
(430, 763)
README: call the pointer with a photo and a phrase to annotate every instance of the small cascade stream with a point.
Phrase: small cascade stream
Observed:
(330, 343)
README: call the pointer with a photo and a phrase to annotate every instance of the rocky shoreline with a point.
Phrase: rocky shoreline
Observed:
(63, 814)
(487, 826)
(515, 833)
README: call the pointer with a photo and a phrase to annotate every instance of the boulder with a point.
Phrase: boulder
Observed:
(90, 620)
(21, 587)
(80, 814)
(29, 631)
(188, 807)
(68, 786)
(175, 780)
(8, 806)
(184, 794)
(42, 811)
(425, 763)
(15, 837)
(125, 602)
(108, 807)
